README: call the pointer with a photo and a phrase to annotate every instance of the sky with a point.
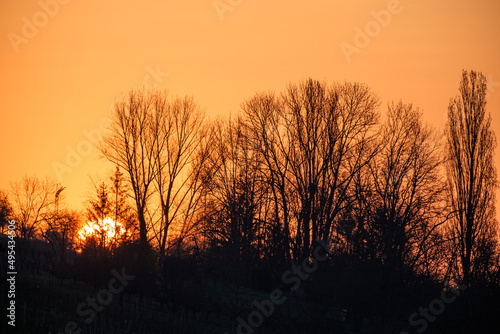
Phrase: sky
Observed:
(63, 63)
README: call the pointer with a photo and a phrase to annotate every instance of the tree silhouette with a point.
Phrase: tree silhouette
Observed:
(408, 187)
(234, 189)
(472, 177)
(156, 141)
(5, 210)
(61, 231)
(98, 211)
(32, 198)
(228, 216)
(312, 140)
(130, 146)
(121, 211)
(61, 227)
(177, 136)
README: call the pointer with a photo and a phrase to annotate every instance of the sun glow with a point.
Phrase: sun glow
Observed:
(106, 229)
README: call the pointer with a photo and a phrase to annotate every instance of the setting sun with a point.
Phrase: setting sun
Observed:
(233, 166)
(108, 228)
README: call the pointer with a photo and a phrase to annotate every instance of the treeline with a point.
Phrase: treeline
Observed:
(315, 162)
(251, 195)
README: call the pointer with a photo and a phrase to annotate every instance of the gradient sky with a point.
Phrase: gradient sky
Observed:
(61, 78)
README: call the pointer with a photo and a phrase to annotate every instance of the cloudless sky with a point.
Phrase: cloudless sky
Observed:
(61, 71)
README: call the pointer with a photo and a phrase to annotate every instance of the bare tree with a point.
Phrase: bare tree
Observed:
(407, 189)
(236, 193)
(60, 226)
(156, 140)
(472, 179)
(61, 229)
(32, 198)
(176, 129)
(267, 134)
(190, 226)
(313, 140)
(130, 145)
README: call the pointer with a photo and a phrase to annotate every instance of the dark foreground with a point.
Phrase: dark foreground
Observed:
(336, 296)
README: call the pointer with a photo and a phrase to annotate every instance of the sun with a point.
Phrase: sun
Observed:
(104, 230)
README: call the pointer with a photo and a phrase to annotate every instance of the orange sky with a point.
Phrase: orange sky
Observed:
(62, 67)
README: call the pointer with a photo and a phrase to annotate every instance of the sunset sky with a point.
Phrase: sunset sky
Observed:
(63, 63)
